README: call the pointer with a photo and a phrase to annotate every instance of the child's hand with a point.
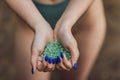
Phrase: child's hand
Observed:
(42, 36)
(65, 36)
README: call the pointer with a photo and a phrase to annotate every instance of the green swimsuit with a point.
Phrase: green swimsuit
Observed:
(51, 13)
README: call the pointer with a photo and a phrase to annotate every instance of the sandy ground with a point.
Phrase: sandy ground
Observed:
(107, 66)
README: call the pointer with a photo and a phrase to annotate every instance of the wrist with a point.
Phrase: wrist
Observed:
(63, 25)
(61, 28)
(41, 27)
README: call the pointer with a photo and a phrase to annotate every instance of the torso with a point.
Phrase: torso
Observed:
(49, 1)
(22, 25)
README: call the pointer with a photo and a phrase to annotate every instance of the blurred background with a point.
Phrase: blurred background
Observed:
(107, 66)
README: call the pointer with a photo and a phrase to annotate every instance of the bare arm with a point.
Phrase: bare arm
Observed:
(74, 10)
(43, 31)
(27, 10)
(62, 32)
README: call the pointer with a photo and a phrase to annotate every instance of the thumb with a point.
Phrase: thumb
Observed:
(34, 59)
(74, 56)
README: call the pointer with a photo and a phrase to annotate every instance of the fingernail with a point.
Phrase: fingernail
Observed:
(46, 58)
(58, 59)
(75, 66)
(50, 60)
(62, 54)
(53, 61)
(32, 71)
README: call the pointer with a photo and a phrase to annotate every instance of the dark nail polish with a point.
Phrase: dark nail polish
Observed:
(53, 61)
(46, 58)
(32, 71)
(75, 66)
(58, 59)
(62, 54)
(50, 60)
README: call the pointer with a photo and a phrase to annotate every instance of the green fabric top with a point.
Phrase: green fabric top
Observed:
(51, 13)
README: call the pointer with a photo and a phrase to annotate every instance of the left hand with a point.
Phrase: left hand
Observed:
(64, 35)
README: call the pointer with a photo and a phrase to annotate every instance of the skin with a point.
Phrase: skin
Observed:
(89, 33)
(32, 37)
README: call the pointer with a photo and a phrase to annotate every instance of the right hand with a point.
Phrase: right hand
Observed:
(43, 35)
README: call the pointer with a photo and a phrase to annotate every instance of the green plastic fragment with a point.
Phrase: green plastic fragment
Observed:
(53, 49)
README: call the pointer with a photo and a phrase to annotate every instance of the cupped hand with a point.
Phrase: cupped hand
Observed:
(43, 35)
(64, 35)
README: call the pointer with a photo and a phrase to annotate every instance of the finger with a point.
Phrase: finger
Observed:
(53, 68)
(50, 65)
(62, 66)
(66, 62)
(34, 58)
(47, 66)
(45, 63)
(75, 55)
(58, 67)
(53, 62)
(40, 66)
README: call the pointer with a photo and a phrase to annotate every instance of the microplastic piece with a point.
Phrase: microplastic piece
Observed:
(54, 49)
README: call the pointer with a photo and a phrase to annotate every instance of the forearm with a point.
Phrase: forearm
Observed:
(75, 10)
(27, 10)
